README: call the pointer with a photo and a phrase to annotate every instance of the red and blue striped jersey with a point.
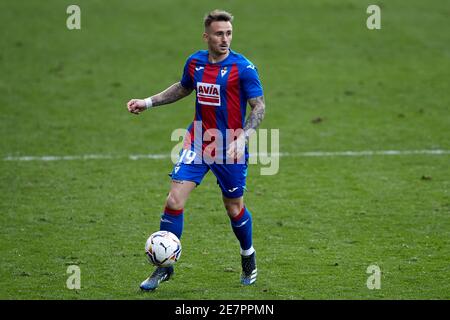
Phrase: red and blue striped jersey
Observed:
(222, 90)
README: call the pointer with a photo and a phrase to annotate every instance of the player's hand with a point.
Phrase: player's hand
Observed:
(236, 149)
(136, 106)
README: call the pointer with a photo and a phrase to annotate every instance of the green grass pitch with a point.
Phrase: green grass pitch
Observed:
(318, 224)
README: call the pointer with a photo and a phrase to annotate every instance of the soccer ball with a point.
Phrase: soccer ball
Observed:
(163, 248)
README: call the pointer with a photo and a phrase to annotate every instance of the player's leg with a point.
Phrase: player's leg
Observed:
(231, 179)
(172, 217)
(171, 220)
(185, 177)
(241, 223)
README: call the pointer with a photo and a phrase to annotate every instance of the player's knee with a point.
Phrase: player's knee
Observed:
(233, 209)
(174, 201)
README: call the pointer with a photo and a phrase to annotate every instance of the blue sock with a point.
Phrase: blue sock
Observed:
(172, 220)
(242, 228)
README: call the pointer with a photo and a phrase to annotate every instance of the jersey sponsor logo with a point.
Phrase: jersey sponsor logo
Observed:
(208, 93)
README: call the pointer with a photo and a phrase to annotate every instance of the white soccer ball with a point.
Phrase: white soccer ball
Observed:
(163, 248)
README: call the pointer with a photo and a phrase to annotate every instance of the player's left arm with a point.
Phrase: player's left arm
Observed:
(236, 149)
(256, 116)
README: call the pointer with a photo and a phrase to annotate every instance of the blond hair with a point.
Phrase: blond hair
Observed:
(217, 15)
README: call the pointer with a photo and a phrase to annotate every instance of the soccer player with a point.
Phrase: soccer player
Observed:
(224, 81)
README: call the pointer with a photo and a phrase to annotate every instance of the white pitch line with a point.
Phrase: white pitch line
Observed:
(282, 154)
(60, 158)
(365, 153)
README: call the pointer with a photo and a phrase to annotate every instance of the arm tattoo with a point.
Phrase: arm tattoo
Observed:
(174, 93)
(256, 115)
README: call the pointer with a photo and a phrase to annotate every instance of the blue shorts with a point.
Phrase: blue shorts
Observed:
(230, 177)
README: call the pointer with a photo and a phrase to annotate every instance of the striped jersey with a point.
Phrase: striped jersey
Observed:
(222, 90)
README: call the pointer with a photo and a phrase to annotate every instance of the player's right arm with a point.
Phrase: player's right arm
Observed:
(173, 93)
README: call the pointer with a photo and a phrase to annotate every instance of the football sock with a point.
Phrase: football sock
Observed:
(242, 228)
(172, 220)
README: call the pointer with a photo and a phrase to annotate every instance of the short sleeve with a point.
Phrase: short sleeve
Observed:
(186, 79)
(250, 82)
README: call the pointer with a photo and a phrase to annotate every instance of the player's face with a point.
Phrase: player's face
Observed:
(218, 36)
